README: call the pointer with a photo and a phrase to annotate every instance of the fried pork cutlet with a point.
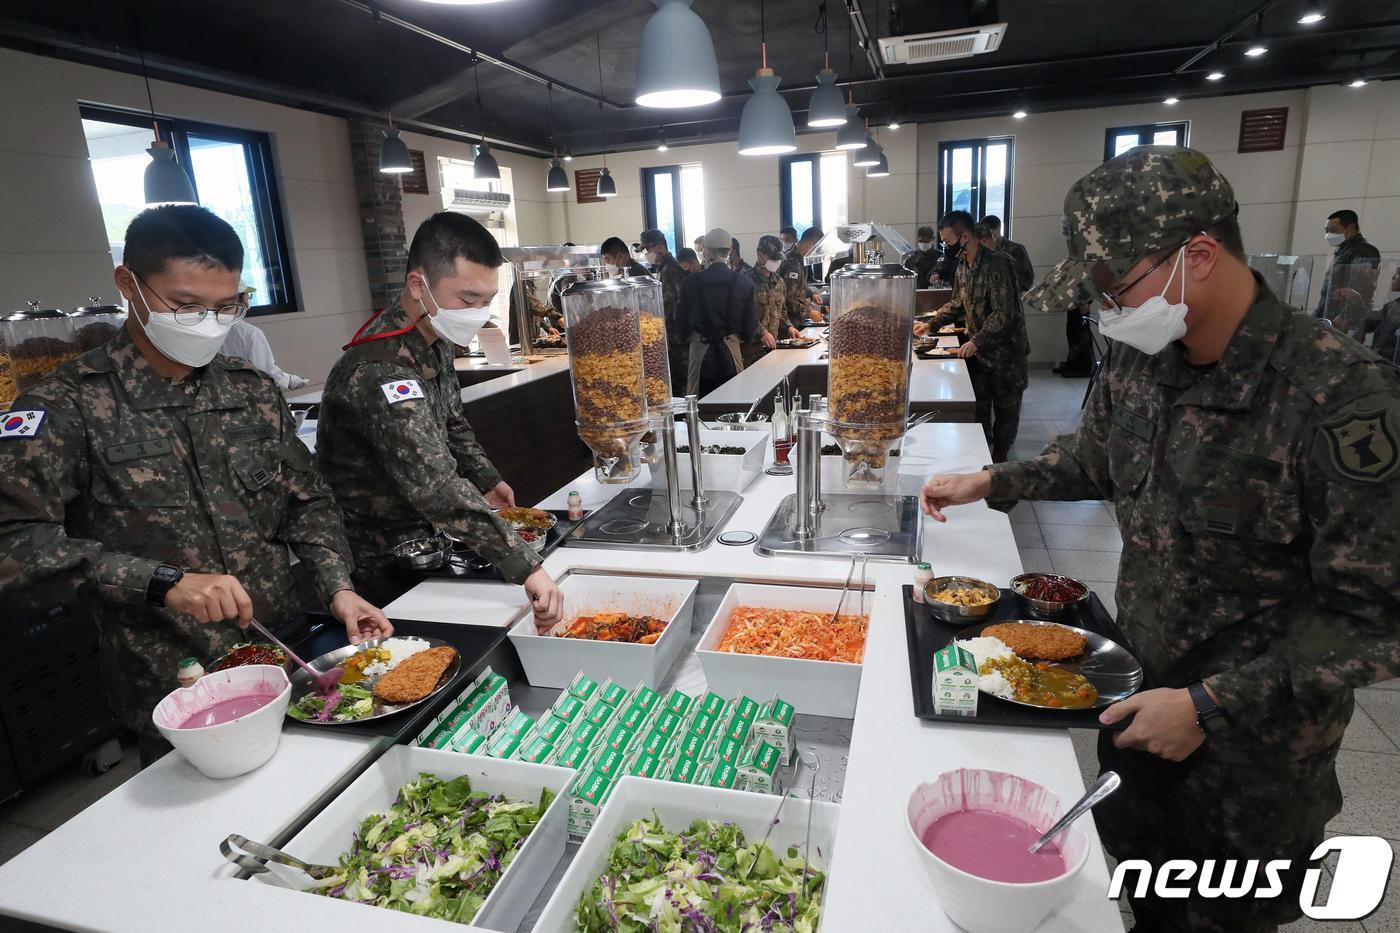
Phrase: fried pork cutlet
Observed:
(415, 677)
(1038, 642)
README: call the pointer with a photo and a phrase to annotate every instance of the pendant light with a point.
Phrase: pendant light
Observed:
(558, 179)
(1312, 13)
(607, 188)
(1257, 47)
(676, 64)
(869, 153)
(165, 180)
(484, 167)
(826, 108)
(393, 152)
(881, 169)
(851, 135)
(765, 126)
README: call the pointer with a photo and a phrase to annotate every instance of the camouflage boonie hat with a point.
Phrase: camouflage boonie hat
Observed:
(1146, 200)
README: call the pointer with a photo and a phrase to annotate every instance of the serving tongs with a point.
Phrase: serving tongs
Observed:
(255, 855)
(864, 561)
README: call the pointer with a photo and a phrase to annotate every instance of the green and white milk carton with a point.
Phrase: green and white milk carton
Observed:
(955, 682)
(774, 724)
(759, 768)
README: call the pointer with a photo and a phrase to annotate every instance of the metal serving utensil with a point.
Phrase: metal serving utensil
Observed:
(254, 856)
(1107, 783)
(810, 760)
(325, 683)
(864, 560)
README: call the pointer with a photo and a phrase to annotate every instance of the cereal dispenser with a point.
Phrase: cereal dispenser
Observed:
(95, 322)
(656, 360)
(33, 343)
(872, 326)
(603, 325)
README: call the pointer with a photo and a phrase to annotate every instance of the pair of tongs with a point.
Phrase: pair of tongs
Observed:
(254, 856)
(863, 560)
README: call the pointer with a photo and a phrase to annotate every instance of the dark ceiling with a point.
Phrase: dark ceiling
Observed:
(330, 55)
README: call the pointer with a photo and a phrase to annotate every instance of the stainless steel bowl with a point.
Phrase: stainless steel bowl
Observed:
(736, 421)
(949, 612)
(1046, 608)
(421, 555)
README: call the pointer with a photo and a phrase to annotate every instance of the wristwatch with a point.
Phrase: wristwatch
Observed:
(1210, 715)
(163, 578)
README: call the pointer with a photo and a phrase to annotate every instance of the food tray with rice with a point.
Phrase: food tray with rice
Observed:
(1085, 627)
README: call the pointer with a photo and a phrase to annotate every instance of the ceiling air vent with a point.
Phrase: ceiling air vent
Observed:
(941, 46)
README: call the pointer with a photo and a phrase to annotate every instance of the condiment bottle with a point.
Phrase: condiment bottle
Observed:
(782, 431)
(575, 505)
(190, 671)
(922, 574)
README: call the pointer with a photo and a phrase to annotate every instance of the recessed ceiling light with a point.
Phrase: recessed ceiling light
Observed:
(1254, 51)
(1215, 76)
(662, 147)
(568, 156)
(1172, 99)
(1019, 115)
(1358, 81)
(1307, 19)
(892, 125)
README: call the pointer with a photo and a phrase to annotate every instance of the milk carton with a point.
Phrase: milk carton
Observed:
(955, 682)
(774, 723)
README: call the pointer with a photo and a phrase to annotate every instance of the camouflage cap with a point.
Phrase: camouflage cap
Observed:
(1146, 200)
(652, 237)
(771, 246)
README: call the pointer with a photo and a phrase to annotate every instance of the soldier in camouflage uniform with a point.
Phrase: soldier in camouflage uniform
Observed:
(1020, 258)
(161, 484)
(793, 272)
(923, 262)
(668, 270)
(392, 439)
(1253, 458)
(770, 295)
(985, 293)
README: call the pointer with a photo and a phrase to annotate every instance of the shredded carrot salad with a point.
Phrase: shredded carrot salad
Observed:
(792, 633)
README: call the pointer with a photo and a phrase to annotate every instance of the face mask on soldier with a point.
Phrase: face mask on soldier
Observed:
(1333, 239)
(925, 246)
(1153, 324)
(772, 265)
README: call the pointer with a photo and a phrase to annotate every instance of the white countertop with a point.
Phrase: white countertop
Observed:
(146, 856)
(513, 375)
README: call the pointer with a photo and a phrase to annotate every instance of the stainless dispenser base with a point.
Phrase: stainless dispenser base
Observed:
(881, 527)
(639, 520)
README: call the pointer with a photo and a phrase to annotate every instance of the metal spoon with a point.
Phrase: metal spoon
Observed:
(1107, 783)
(325, 683)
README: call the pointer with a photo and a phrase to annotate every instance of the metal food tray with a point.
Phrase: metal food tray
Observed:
(466, 565)
(927, 634)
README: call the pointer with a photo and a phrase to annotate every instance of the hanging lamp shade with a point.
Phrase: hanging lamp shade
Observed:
(880, 169)
(827, 108)
(607, 188)
(765, 126)
(869, 153)
(558, 178)
(676, 64)
(851, 135)
(166, 181)
(484, 167)
(393, 154)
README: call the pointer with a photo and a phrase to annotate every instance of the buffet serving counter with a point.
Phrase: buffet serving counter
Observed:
(146, 856)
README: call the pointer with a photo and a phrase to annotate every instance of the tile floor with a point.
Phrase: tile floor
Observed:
(1075, 538)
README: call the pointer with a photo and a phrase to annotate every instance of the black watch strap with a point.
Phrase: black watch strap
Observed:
(1210, 716)
(163, 578)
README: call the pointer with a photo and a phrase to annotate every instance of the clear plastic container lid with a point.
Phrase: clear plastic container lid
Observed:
(838, 242)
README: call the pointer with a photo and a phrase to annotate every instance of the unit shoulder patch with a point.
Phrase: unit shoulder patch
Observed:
(1362, 445)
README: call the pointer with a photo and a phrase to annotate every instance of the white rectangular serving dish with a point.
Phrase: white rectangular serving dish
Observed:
(552, 662)
(330, 833)
(818, 688)
(732, 472)
(833, 468)
(678, 805)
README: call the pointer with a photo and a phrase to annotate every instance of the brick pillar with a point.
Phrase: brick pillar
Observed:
(381, 214)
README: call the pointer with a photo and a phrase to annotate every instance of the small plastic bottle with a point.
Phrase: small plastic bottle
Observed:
(922, 574)
(575, 506)
(189, 672)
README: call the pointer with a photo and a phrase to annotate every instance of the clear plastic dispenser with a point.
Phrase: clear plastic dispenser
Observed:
(603, 324)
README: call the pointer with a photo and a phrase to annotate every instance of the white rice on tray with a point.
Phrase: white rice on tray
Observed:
(983, 649)
(399, 649)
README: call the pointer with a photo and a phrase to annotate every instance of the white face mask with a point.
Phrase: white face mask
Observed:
(772, 265)
(610, 270)
(1334, 239)
(455, 325)
(925, 246)
(1151, 325)
(194, 344)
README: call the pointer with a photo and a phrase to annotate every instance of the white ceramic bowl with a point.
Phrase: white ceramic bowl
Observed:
(976, 904)
(231, 748)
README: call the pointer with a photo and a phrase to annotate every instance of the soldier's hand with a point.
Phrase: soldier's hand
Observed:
(953, 489)
(501, 496)
(545, 599)
(211, 597)
(769, 341)
(362, 620)
(920, 328)
(1164, 723)
(793, 333)
(967, 350)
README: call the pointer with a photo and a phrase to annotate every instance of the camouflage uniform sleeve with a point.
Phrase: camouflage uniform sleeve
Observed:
(671, 277)
(416, 453)
(312, 527)
(44, 473)
(1025, 272)
(1073, 466)
(1350, 634)
(472, 461)
(1002, 305)
(795, 291)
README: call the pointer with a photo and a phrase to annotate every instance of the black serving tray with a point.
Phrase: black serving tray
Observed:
(319, 632)
(468, 566)
(927, 634)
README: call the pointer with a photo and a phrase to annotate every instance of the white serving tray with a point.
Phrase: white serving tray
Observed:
(818, 688)
(330, 833)
(677, 805)
(731, 472)
(553, 662)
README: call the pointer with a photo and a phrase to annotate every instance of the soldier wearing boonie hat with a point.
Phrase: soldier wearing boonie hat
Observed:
(1252, 454)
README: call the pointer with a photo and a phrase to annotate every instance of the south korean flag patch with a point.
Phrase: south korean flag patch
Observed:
(21, 423)
(402, 390)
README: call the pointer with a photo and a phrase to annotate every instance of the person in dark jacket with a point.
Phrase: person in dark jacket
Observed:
(1020, 259)
(717, 312)
(923, 262)
(619, 257)
(689, 261)
(946, 268)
